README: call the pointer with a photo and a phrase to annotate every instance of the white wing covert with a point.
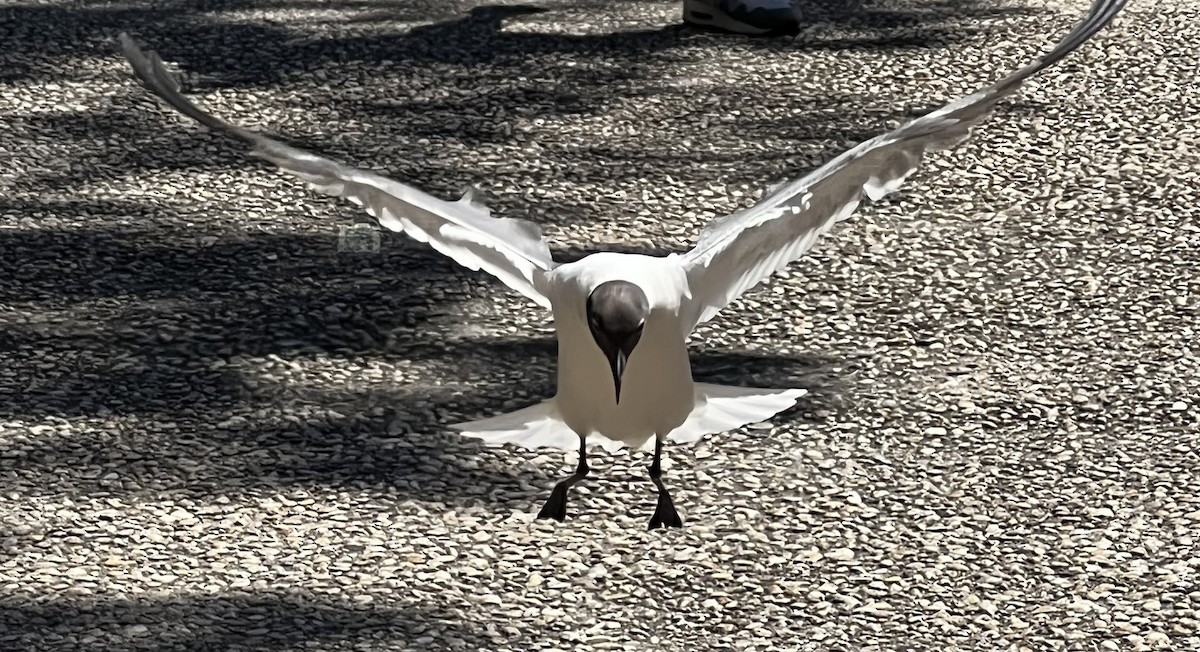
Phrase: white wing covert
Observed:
(512, 250)
(737, 252)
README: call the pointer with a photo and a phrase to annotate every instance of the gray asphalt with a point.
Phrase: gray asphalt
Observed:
(223, 428)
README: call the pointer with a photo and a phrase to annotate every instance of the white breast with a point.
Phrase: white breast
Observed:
(657, 393)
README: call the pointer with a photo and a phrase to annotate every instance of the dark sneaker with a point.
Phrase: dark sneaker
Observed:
(742, 16)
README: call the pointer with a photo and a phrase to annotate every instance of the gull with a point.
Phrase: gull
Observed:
(622, 320)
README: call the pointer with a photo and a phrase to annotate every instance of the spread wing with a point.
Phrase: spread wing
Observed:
(513, 251)
(738, 251)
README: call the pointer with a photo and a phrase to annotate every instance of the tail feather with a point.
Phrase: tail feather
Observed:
(726, 408)
(537, 426)
(719, 408)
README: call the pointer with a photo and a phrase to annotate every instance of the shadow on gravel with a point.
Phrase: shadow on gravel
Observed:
(258, 621)
(132, 255)
(228, 40)
(200, 459)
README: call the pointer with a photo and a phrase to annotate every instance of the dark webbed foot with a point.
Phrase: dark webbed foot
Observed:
(556, 504)
(664, 514)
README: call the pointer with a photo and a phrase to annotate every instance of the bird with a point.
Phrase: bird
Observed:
(622, 320)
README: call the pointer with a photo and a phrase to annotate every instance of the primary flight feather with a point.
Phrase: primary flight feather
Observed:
(622, 320)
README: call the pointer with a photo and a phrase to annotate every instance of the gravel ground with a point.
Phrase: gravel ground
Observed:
(218, 431)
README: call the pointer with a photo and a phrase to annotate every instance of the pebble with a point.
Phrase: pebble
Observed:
(839, 554)
(1158, 640)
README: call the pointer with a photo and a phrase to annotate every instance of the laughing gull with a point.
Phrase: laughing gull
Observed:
(623, 320)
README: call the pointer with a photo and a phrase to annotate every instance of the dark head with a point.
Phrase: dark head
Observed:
(616, 315)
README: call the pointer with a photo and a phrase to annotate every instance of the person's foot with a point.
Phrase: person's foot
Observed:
(742, 16)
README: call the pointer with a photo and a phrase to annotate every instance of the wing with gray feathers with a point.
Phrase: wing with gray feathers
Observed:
(737, 252)
(513, 251)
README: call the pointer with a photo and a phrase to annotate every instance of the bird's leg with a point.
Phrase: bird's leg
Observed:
(556, 505)
(665, 514)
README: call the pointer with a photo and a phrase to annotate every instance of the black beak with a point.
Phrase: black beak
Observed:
(618, 358)
(617, 361)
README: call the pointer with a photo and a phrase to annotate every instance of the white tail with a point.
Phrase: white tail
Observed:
(537, 426)
(718, 408)
(724, 407)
